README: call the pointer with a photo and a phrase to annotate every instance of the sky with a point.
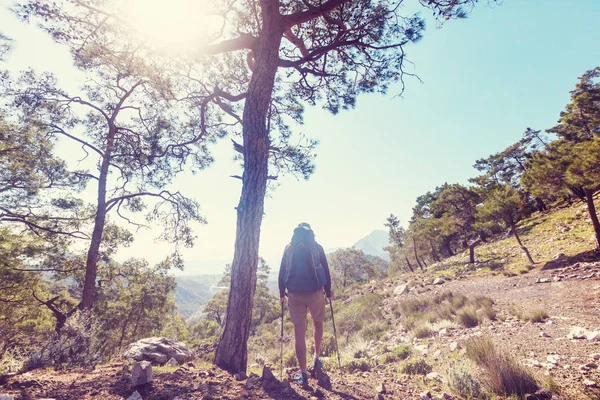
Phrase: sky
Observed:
(485, 79)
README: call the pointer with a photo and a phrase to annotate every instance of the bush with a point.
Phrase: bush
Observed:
(398, 353)
(73, 347)
(538, 315)
(359, 364)
(374, 331)
(468, 317)
(422, 331)
(503, 374)
(416, 367)
(463, 382)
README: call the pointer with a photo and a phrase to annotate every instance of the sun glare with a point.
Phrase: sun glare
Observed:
(173, 24)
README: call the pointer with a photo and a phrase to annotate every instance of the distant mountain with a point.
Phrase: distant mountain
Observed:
(374, 243)
(193, 291)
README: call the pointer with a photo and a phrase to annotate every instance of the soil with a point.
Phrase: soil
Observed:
(570, 295)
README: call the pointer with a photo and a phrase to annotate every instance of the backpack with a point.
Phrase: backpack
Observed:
(304, 272)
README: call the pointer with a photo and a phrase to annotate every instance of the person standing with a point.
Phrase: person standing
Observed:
(304, 274)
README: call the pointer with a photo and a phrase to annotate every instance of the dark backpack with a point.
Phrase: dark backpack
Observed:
(304, 272)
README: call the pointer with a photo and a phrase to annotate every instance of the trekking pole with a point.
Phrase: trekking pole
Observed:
(281, 347)
(335, 335)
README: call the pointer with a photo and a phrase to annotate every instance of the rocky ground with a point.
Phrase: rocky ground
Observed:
(565, 347)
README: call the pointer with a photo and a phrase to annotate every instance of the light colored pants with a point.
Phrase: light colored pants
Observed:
(299, 303)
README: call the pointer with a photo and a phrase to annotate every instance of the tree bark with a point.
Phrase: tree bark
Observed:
(409, 265)
(514, 230)
(589, 199)
(433, 252)
(231, 353)
(416, 256)
(91, 265)
(472, 250)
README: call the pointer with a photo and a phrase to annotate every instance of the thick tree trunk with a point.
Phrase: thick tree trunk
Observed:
(589, 199)
(416, 256)
(540, 205)
(91, 264)
(409, 265)
(231, 353)
(472, 250)
(514, 230)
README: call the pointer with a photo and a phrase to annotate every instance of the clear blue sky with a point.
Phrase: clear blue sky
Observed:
(485, 79)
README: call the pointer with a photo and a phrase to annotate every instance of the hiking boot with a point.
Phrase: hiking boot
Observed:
(302, 379)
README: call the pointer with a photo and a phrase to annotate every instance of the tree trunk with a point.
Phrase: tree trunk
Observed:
(472, 250)
(409, 266)
(231, 353)
(589, 199)
(91, 265)
(416, 256)
(433, 252)
(514, 230)
(540, 205)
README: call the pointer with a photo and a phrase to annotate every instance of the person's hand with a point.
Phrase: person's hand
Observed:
(282, 299)
(331, 295)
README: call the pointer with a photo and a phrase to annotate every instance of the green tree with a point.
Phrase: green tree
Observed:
(568, 166)
(349, 266)
(580, 121)
(504, 203)
(333, 51)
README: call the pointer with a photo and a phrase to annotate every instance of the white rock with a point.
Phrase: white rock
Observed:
(438, 281)
(425, 396)
(434, 376)
(589, 383)
(544, 334)
(593, 336)
(443, 332)
(595, 356)
(454, 346)
(135, 396)
(422, 348)
(558, 256)
(158, 350)
(577, 332)
(141, 374)
(172, 363)
(401, 289)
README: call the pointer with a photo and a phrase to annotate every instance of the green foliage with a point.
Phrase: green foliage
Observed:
(462, 381)
(538, 315)
(350, 266)
(362, 311)
(416, 367)
(468, 317)
(398, 353)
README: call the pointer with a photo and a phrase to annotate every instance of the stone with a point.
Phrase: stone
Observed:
(439, 281)
(558, 256)
(443, 332)
(577, 332)
(595, 356)
(268, 379)
(380, 388)
(541, 394)
(544, 334)
(553, 359)
(425, 396)
(158, 350)
(434, 376)
(401, 289)
(172, 363)
(6, 397)
(253, 382)
(135, 396)
(422, 348)
(593, 336)
(141, 374)
(454, 346)
(589, 383)
(446, 396)
(240, 376)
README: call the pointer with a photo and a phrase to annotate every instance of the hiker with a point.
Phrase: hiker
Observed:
(305, 274)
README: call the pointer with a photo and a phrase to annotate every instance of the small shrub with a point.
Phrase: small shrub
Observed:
(503, 374)
(468, 317)
(374, 331)
(289, 359)
(490, 313)
(422, 331)
(538, 315)
(463, 382)
(416, 367)
(360, 364)
(398, 353)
